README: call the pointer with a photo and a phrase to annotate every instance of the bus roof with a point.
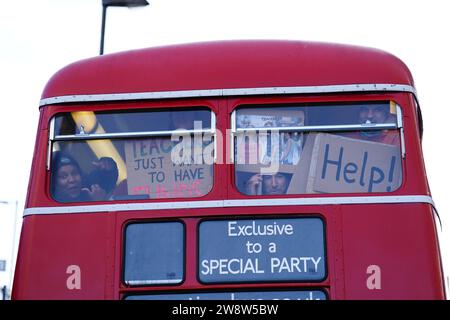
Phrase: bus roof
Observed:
(228, 65)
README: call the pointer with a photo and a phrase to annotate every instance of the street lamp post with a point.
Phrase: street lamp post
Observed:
(3, 293)
(116, 3)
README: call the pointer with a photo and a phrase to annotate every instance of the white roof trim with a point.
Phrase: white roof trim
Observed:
(375, 87)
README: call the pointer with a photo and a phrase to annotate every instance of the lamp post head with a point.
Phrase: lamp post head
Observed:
(117, 3)
(124, 3)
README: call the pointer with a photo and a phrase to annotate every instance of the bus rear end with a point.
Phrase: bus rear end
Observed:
(233, 171)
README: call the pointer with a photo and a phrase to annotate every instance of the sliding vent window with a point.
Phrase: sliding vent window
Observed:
(304, 149)
(102, 156)
(154, 253)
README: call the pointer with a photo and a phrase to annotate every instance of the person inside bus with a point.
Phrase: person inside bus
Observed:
(68, 183)
(376, 114)
(273, 184)
(104, 175)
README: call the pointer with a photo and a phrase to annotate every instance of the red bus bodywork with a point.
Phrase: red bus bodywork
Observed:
(400, 238)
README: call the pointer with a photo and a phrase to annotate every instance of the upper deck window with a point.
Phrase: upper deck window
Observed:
(98, 156)
(304, 149)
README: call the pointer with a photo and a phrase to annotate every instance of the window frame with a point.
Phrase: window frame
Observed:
(53, 138)
(152, 283)
(234, 130)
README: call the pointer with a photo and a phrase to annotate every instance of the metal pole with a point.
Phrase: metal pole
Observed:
(4, 292)
(102, 39)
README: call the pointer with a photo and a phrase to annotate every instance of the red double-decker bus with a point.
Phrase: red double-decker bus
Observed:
(230, 170)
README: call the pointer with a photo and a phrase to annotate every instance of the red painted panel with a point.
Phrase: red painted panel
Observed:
(401, 240)
(228, 64)
(50, 244)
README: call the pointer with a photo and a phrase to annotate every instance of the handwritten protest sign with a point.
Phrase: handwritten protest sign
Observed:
(331, 163)
(151, 171)
(341, 164)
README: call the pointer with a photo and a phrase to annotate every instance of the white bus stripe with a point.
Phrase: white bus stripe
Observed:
(230, 203)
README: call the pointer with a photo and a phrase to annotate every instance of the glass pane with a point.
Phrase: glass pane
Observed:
(131, 121)
(121, 169)
(316, 115)
(154, 253)
(274, 162)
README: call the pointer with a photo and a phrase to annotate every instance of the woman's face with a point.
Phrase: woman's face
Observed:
(69, 181)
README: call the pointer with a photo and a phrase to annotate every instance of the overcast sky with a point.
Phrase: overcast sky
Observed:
(38, 38)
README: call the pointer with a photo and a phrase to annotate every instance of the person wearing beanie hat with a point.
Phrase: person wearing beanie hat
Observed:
(67, 179)
(69, 184)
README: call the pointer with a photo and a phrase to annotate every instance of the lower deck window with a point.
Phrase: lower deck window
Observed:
(154, 253)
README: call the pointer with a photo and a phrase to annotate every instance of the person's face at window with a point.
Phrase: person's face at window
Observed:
(373, 114)
(69, 181)
(275, 184)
